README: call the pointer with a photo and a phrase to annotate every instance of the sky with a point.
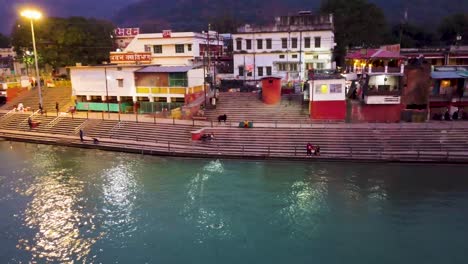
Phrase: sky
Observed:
(9, 9)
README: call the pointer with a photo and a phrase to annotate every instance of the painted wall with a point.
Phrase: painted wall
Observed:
(195, 77)
(92, 81)
(328, 110)
(169, 57)
(375, 113)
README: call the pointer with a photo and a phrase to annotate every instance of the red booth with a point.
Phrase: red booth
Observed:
(271, 90)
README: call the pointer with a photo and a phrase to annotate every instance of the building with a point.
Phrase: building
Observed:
(327, 98)
(439, 56)
(449, 90)
(376, 94)
(131, 85)
(9, 65)
(176, 48)
(288, 48)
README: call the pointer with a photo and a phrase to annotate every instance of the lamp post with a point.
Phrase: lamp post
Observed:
(107, 92)
(34, 15)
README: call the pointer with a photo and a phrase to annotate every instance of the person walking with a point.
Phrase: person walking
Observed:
(309, 149)
(81, 135)
(56, 107)
(40, 108)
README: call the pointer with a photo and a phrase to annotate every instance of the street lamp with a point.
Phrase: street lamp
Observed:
(34, 15)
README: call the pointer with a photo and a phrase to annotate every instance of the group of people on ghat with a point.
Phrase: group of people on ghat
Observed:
(311, 149)
(457, 115)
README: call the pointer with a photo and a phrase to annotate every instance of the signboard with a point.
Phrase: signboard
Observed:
(382, 99)
(126, 32)
(392, 48)
(166, 33)
(130, 57)
(215, 50)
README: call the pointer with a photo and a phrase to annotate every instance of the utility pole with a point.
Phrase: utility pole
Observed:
(209, 53)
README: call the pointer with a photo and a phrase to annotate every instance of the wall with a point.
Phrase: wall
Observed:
(152, 79)
(92, 81)
(418, 85)
(195, 77)
(327, 106)
(327, 96)
(374, 113)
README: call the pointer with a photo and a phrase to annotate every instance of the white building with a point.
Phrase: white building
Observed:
(175, 48)
(135, 83)
(293, 45)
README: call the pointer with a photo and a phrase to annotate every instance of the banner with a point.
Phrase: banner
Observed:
(130, 57)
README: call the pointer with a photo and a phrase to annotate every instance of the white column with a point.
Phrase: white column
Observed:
(370, 68)
(119, 99)
(103, 98)
(134, 99)
(386, 68)
(151, 98)
(168, 99)
(88, 98)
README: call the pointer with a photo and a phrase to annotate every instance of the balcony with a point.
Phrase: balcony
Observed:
(164, 91)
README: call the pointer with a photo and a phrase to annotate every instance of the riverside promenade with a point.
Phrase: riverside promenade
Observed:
(443, 142)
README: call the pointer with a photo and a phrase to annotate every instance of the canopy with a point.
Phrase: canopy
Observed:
(168, 69)
(373, 54)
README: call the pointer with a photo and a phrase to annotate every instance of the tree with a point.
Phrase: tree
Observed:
(412, 36)
(224, 23)
(453, 26)
(66, 41)
(4, 41)
(357, 23)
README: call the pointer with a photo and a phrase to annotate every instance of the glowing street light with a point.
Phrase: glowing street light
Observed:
(34, 15)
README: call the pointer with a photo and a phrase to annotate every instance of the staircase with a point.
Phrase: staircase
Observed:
(247, 106)
(50, 96)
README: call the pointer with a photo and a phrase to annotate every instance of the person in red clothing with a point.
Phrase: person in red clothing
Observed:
(309, 148)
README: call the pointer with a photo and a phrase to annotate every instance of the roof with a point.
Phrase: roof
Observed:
(447, 75)
(374, 54)
(153, 69)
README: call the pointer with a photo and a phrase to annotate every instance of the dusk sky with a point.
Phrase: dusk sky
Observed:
(9, 9)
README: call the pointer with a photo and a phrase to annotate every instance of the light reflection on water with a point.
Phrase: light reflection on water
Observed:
(70, 205)
(64, 231)
(209, 220)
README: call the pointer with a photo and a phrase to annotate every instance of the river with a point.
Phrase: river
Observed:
(60, 204)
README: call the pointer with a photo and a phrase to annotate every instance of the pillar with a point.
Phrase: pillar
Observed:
(88, 98)
(103, 98)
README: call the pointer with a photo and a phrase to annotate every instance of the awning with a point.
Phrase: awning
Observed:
(167, 69)
(446, 75)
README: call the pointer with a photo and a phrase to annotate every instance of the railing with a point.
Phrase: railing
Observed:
(161, 90)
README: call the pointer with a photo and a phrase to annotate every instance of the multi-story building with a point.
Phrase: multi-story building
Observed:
(439, 56)
(176, 48)
(288, 49)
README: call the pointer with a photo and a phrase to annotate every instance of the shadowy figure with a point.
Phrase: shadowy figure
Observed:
(81, 135)
(222, 118)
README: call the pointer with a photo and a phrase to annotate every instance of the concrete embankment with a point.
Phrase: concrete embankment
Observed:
(384, 143)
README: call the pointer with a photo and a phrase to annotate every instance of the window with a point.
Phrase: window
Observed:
(268, 70)
(317, 42)
(249, 73)
(294, 43)
(315, 57)
(238, 44)
(294, 56)
(284, 43)
(321, 89)
(268, 43)
(189, 47)
(282, 67)
(335, 88)
(147, 48)
(179, 48)
(177, 79)
(320, 65)
(241, 70)
(259, 43)
(260, 71)
(306, 43)
(281, 56)
(157, 48)
(120, 82)
(293, 67)
(248, 44)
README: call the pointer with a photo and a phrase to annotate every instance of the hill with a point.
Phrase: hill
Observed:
(180, 15)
